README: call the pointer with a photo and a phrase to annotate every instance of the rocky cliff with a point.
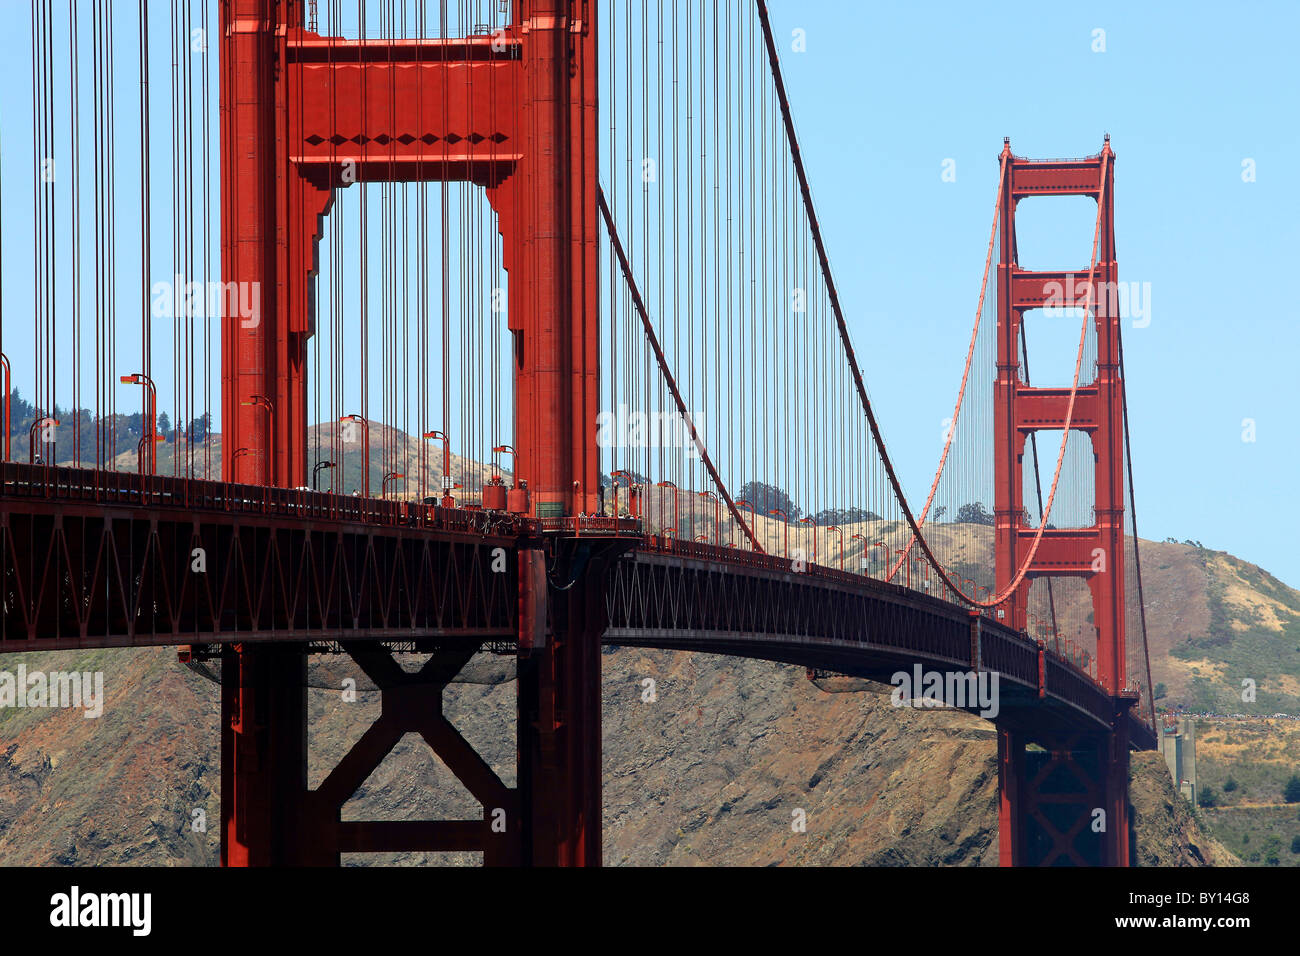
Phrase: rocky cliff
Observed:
(714, 770)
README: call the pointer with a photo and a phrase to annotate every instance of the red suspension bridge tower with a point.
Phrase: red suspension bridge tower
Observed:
(1065, 798)
(514, 112)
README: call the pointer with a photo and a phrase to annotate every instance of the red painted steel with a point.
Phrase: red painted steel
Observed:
(1095, 554)
(1064, 802)
(304, 115)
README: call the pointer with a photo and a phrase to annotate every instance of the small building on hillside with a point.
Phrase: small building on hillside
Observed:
(1178, 744)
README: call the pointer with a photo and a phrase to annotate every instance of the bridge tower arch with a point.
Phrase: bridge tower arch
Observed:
(303, 115)
(1082, 772)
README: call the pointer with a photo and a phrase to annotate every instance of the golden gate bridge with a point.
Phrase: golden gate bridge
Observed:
(507, 226)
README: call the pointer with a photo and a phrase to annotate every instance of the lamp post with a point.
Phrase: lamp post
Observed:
(953, 576)
(151, 394)
(858, 537)
(668, 484)
(316, 470)
(365, 465)
(44, 421)
(907, 565)
(785, 540)
(448, 499)
(717, 515)
(753, 515)
(514, 461)
(809, 520)
(614, 477)
(839, 537)
(140, 451)
(383, 485)
(919, 561)
(885, 563)
(261, 401)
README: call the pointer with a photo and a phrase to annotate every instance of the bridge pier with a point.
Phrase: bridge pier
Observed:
(271, 818)
(559, 709)
(1063, 798)
(553, 817)
(263, 754)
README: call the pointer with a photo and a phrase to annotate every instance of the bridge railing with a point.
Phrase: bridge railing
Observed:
(606, 525)
(19, 481)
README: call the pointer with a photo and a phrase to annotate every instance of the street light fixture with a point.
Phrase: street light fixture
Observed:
(785, 519)
(809, 520)
(365, 466)
(261, 401)
(668, 484)
(448, 499)
(316, 470)
(383, 485)
(953, 576)
(514, 461)
(907, 565)
(753, 515)
(139, 451)
(614, 477)
(43, 422)
(717, 515)
(839, 536)
(862, 538)
(151, 392)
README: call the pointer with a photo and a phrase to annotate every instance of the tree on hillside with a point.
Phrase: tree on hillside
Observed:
(198, 430)
(1292, 792)
(974, 513)
(838, 516)
(1273, 851)
(19, 408)
(164, 425)
(766, 498)
(1206, 797)
(1229, 785)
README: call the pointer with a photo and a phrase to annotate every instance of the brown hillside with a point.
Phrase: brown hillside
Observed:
(710, 773)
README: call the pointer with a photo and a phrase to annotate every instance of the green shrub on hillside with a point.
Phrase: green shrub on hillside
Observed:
(1292, 792)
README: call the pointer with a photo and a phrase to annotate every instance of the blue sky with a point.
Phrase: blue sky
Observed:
(884, 93)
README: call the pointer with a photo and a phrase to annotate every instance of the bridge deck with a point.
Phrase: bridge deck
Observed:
(105, 559)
